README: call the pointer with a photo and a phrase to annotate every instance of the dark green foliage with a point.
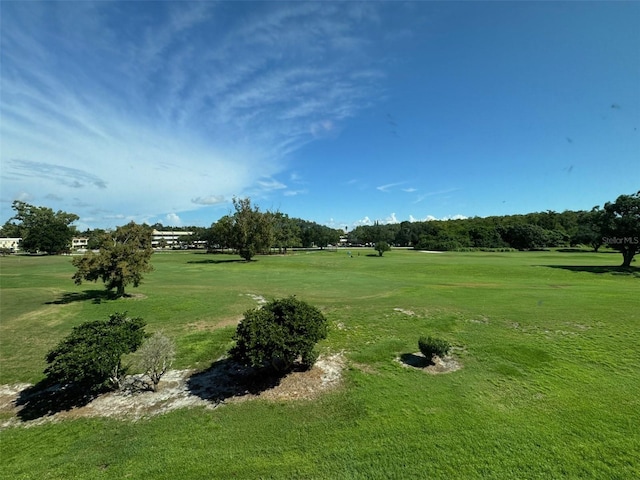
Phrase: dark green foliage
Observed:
(527, 236)
(621, 226)
(382, 247)
(251, 230)
(430, 346)
(90, 356)
(123, 259)
(315, 235)
(41, 229)
(278, 334)
(589, 229)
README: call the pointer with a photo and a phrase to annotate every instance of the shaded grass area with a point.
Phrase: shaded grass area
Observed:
(550, 386)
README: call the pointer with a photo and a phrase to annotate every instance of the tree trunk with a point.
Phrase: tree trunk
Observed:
(627, 255)
(120, 290)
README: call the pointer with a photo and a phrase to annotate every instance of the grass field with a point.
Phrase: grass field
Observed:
(550, 384)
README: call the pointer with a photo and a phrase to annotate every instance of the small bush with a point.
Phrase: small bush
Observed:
(430, 346)
(156, 356)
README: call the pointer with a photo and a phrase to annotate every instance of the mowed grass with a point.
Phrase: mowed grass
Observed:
(549, 343)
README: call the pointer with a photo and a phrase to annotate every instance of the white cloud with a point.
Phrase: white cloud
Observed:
(430, 218)
(391, 219)
(364, 221)
(173, 219)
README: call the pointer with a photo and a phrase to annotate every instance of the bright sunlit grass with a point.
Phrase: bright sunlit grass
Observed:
(549, 388)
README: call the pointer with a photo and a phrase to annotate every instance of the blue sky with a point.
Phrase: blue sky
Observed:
(339, 113)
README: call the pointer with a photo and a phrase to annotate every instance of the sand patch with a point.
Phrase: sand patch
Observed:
(187, 389)
(438, 365)
(406, 312)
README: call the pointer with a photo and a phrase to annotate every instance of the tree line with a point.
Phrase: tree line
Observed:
(249, 232)
(616, 224)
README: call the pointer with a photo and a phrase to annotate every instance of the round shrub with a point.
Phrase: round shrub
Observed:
(279, 334)
(430, 346)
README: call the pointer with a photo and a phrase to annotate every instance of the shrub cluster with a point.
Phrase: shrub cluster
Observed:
(430, 346)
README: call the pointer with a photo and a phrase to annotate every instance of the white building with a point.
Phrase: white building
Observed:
(79, 242)
(10, 243)
(170, 239)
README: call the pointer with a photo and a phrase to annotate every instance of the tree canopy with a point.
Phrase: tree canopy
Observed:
(41, 229)
(251, 230)
(123, 258)
(621, 226)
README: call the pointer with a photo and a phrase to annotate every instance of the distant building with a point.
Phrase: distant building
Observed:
(10, 243)
(78, 243)
(170, 239)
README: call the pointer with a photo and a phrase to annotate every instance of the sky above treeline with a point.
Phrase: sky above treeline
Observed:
(339, 113)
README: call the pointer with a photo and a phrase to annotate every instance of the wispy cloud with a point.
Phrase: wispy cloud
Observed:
(209, 200)
(386, 188)
(149, 111)
(70, 177)
(423, 196)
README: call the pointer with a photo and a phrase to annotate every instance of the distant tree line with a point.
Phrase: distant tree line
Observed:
(617, 224)
(249, 231)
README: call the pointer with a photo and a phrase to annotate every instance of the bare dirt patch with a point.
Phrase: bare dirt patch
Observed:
(224, 382)
(204, 326)
(257, 298)
(406, 312)
(439, 365)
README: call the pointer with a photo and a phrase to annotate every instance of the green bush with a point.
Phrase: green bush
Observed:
(279, 334)
(90, 356)
(430, 346)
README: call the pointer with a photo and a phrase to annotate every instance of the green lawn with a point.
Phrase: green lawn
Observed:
(549, 343)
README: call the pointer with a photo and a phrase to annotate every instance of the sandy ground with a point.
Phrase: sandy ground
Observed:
(224, 382)
(438, 365)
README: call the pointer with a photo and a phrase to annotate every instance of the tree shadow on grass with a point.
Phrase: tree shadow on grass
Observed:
(574, 250)
(45, 399)
(415, 360)
(96, 296)
(215, 262)
(599, 269)
(226, 378)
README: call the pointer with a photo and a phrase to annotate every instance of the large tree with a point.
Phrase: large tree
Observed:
(123, 258)
(621, 226)
(251, 230)
(286, 232)
(41, 229)
(589, 228)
